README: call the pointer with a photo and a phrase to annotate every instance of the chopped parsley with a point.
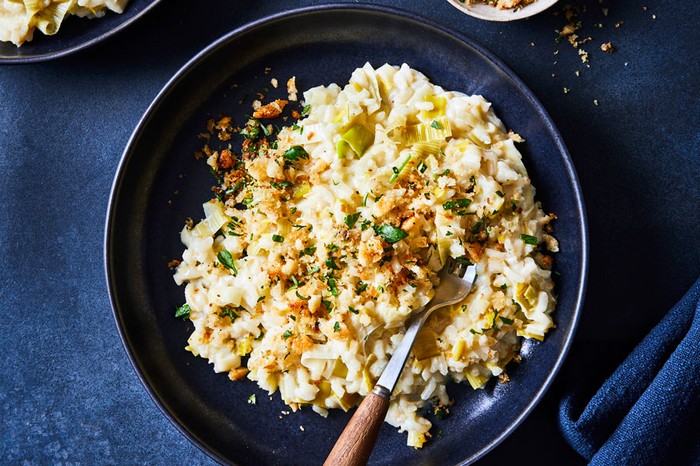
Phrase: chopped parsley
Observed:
(300, 296)
(351, 220)
(332, 286)
(287, 334)
(308, 251)
(361, 286)
(353, 310)
(305, 111)
(228, 311)
(295, 153)
(435, 124)
(281, 184)
(330, 263)
(390, 233)
(336, 327)
(457, 206)
(506, 320)
(226, 260)
(183, 311)
(251, 399)
(529, 239)
(278, 238)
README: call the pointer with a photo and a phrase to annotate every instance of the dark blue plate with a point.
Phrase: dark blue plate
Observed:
(75, 34)
(160, 183)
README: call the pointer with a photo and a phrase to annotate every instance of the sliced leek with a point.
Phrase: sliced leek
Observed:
(355, 140)
(215, 219)
(426, 132)
(425, 346)
(477, 381)
(439, 106)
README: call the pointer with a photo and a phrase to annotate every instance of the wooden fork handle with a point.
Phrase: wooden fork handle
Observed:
(355, 444)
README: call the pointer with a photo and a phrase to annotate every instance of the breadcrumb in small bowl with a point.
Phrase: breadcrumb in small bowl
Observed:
(501, 10)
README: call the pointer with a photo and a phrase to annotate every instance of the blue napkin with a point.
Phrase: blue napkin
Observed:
(648, 411)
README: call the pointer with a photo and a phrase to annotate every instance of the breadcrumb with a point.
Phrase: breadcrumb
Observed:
(607, 47)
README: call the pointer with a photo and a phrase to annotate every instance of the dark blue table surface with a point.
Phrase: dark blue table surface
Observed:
(68, 393)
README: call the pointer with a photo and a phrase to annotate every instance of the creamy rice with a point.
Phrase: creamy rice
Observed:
(305, 278)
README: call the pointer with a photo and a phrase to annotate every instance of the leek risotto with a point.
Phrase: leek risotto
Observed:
(20, 18)
(323, 242)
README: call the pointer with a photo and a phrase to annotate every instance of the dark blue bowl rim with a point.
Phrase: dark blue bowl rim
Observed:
(359, 7)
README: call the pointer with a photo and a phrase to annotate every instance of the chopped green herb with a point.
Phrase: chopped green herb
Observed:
(296, 283)
(364, 200)
(500, 194)
(332, 286)
(351, 220)
(361, 286)
(228, 311)
(250, 132)
(457, 205)
(295, 153)
(336, 327)
(287, 334)
(353, 310)
(265, 130)
(463, 261)
(365, 224)
(305, 111)
(251, 399)
(441, 412)
(422, 167)
(435, 124)
(390, 233)
(529, 239)
(330, 263)
(327, 304)
(506, 320)
(308, 251)
(399, 170)
(278, 238)
(300, 296)
(226, 260)
(281, 184)
(183, 311)
(332, 247)
(445, 173)
(504, 287)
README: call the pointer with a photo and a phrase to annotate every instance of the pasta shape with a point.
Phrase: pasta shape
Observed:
(20, 18)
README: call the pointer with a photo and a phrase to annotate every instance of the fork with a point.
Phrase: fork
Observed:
(355, 444)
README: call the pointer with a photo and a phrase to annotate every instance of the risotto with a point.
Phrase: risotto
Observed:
(322, 244)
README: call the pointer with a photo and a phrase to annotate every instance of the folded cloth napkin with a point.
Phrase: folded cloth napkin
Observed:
(648, 411)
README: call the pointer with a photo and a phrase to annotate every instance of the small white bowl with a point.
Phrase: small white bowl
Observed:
(490, 13)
